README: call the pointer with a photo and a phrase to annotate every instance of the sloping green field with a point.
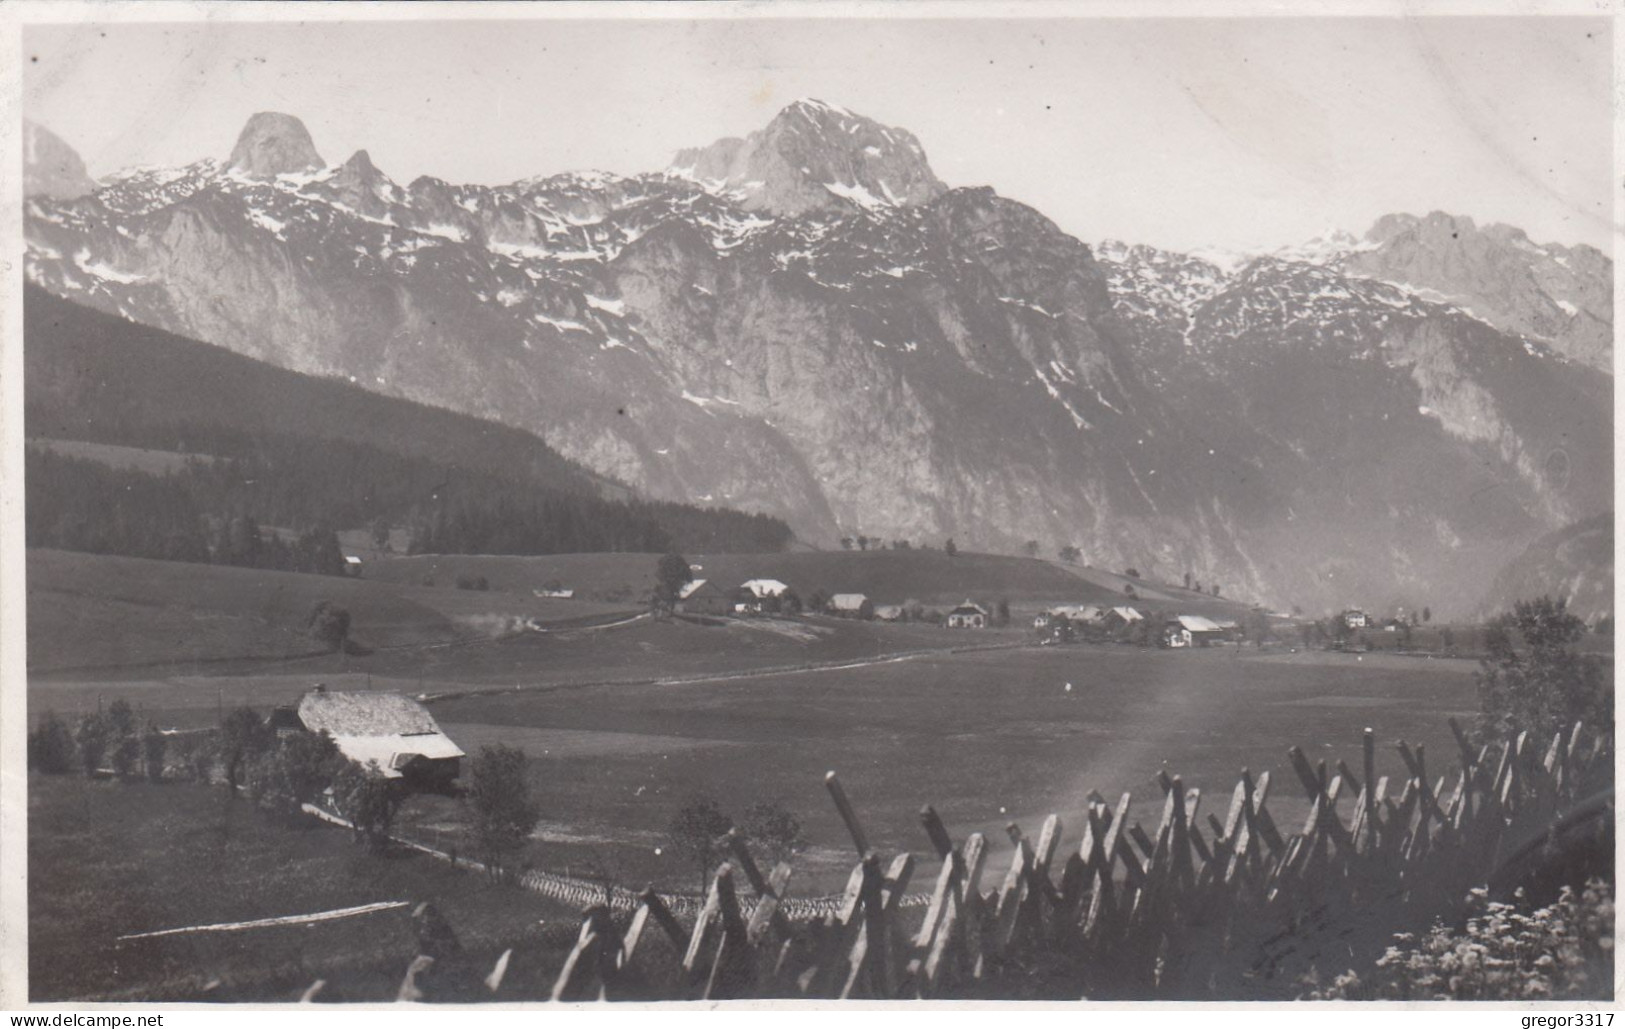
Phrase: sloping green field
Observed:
(98, 611)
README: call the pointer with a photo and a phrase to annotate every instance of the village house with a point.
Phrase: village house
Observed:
(1355, 619)
(889, 612)
(851, 605)
(394, 730)
(758, 595)
(1076, 613)
(1191, 631)
(1119, 618)
(703, 597)
(968, 616)
(554, 593)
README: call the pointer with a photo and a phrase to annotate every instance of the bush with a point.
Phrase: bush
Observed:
(1560, 952)
(50, 746)
(1547, 686)
(473, 582)
(773, 830)
(328, 624)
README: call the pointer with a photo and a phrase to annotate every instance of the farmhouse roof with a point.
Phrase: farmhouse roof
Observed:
(764, 587)
(1078, 612)
(364, 714)
(847, 601)
(1127, 614)
(969, 607)
(389, 728)
(692, 587)
(1196, 623)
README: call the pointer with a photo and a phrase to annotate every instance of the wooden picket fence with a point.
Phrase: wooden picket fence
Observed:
(1204, 906)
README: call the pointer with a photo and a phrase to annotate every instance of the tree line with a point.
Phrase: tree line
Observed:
(214, 509)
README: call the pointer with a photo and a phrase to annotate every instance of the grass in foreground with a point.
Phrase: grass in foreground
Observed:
(108, 859)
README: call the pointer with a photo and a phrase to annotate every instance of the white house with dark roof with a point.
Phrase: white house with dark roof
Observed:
(968, 615)
(394, 730)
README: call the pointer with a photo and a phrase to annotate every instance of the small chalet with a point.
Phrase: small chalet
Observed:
(1120, 617)
(852, 605)
(1191, 631)
(968, 616)
(703, 597)
(389, 728)
(1355, 619)
(758, 595)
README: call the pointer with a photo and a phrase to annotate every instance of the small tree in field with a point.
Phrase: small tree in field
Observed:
(295, 772)
(93, 736)
(502, 813)
(950, 548)
(671, 575)
(1544, 685)
(328, 624)
(50, 746)
(368, 800)
(1001, 612)
(154, 745)
(242, 736)
(1070, 554)
(696, 831)
(773, 830)
(1030, 548)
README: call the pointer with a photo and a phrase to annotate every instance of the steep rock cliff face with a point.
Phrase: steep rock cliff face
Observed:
(273, 144)
(51, 167)
(904, 360)
(1563, 296)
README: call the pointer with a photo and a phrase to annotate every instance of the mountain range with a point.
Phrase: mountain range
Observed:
(808, 323)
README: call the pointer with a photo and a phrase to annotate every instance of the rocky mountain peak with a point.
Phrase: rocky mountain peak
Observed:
(1557, 295)
(358, 184)
(816, 155)
(51, 167)
(273, 144)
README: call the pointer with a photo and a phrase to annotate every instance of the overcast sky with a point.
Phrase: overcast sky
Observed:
(1182, 133)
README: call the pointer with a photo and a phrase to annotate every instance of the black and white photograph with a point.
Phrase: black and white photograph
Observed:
(754, 503)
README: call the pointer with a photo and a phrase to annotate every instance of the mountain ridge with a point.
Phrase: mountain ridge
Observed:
(952, 365)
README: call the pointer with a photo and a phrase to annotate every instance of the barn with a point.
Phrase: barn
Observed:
(703, 597)
(1191, 631)
(852, 605)
(394, 730)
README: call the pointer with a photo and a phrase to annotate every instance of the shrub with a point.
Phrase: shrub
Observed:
(328, 624)
(50, 746)
(773, 830)
(1560, 952)
(1547, 686)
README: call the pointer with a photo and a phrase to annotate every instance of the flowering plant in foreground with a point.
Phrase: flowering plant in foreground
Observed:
(1504, 952)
